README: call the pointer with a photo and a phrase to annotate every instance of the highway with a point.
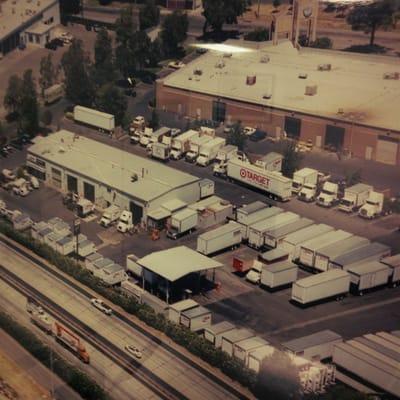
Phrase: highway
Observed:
(171, 376)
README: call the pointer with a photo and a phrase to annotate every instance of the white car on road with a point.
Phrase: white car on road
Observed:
(99, 304)
(133, 350)
(176, 64)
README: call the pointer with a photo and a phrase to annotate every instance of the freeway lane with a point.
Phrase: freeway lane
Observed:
(108, 374)
(165, 365)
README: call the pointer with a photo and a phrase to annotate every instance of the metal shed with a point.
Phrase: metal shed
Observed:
(234, 336)
(91, 259)
(214, 332)
(196, 319)
(316, 346)
(257, 356)
(175, 310)
(99, 265)
(242, 349)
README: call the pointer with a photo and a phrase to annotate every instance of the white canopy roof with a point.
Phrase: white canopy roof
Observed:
(174, 263)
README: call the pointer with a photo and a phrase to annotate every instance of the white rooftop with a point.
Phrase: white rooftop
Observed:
(354, 84)
(109, 165)
(174, 263)
(184, 305)
(315, 339)
(13, 14)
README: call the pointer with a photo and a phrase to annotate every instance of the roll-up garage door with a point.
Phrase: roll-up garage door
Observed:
(386, 150)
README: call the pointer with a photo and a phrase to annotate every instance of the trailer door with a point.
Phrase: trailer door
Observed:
(386, 150)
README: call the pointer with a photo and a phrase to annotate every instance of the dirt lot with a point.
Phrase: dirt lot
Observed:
(15, 384)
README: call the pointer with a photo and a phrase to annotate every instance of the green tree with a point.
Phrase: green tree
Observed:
(353, 177)
(218, 12)
(125, 26)
(149, 15)
(322, 43)
(258, 35)
(278, 378)
(104, 70)
(70, 7)
(47, 73)
(140, 47)
(154, 120)
(371, 17)
(174, 32)
(156, 52)
(3, 136)
(291, 158)
(237, 137)
(46, 117)
(110, 100)
(12, 97)
(29, 111)
(76, 65)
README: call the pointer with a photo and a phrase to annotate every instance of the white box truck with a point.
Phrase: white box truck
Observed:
(182, 222)
(209, 151)
(332, 283)
(226, 236)
(273, 237)
(226, 153)
(308, 249)
(196, 319)
(329, 195)
(110, 215)
(260, 215)
(369, 252)
(257, 231)
(102, 121)
(247, 209)
(53, 93)
(326, 253)
(368, 275)
(354, 197)
(132, 267)
(196, 145)
(181, 144)
(278, 275)
(113, 275)
(145, 137)
(291, 243)
(157, 137)
(274, 184)
(303, 176)
(373, 207)
(160, 151)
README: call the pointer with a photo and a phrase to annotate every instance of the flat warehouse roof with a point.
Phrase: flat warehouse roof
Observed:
(354, 84)
(111, 166)
(17, 13)
(315, 339)
(174, 263)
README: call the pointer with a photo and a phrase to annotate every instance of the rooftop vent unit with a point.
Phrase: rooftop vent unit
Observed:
(324, 67)
(391, 75)
(134, 178)
(267, 96)
(264, 59)
(311, 90)
(251, 80)
(198, 71)
(303, 75)
(220, 64)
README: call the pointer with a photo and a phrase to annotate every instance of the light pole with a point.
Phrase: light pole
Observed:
(77, 231)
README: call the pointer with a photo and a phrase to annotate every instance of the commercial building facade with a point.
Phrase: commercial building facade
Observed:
(348, 106)
(28, 22)
(106, 175)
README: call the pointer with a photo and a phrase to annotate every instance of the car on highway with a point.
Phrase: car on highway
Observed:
(99, 304)
(176, 64)
(133, 350)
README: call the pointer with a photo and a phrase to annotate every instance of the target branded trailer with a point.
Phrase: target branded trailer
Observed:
(308, 249)
(291, 243)
(273, 237)
(325, 254)
(258, 231)
(274, 184)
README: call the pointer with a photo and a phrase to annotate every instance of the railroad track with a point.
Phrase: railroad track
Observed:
(162, 389)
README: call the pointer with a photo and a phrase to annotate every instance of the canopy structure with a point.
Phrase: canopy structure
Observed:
(174, 264)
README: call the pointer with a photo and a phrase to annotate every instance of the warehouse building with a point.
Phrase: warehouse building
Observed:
(27, 21)
(339, 101)
(106, 175)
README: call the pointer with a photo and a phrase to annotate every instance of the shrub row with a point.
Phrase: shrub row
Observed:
(197, 345)
(74, 377)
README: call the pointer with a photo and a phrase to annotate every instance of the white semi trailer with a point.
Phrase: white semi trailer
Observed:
(332, 283)
(308, 249)
(182, 222)
(226, 236)
(274, 184)
(102, 121)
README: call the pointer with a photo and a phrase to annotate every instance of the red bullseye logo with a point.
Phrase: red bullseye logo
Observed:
(243, 173)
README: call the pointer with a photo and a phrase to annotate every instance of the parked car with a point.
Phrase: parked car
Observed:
(248, 130)
(176, 64)
(133, 350)
(201, 50)
(99, 304)
(257, 136)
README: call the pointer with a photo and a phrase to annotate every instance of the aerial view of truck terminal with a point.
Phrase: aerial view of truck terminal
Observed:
(200, 199)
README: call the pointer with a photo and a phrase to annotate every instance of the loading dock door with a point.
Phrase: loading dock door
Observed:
(88, 192)
(72, 184)
(386, 150)
(334, 137)
(293, 127)
(137, 212)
